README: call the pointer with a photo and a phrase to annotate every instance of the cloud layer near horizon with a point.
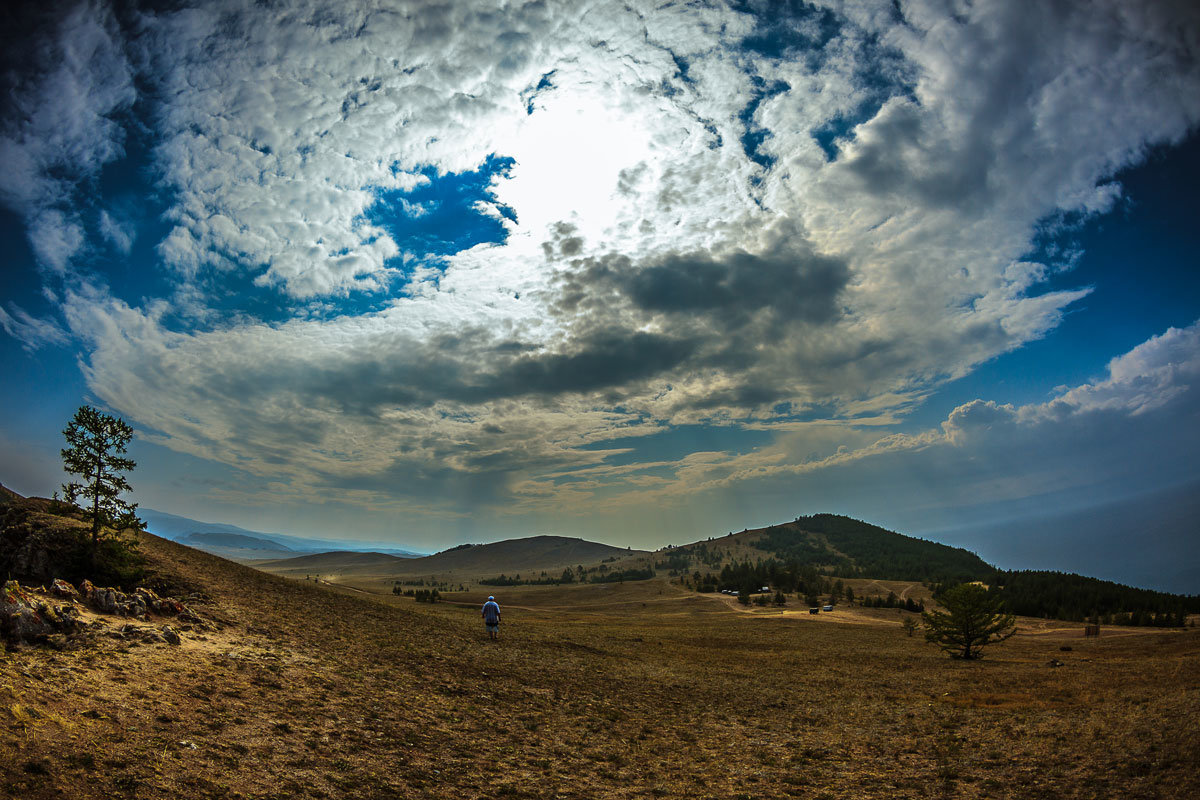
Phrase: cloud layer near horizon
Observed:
(727, 219)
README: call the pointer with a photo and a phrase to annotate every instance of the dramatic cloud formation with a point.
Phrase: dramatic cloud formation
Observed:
(474, 258)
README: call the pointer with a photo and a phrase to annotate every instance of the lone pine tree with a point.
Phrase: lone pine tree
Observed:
(96, 442)
(972, 619)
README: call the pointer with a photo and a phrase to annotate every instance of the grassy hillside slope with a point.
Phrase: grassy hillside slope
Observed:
(642, 691)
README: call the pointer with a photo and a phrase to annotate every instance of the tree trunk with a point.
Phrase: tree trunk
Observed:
(96, 516)
(96, 509)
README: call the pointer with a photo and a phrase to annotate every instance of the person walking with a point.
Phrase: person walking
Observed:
(491, 618)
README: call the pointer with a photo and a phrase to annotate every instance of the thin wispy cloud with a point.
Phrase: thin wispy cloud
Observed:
(33, 333)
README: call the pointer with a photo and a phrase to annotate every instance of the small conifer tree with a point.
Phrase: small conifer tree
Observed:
(972, 620)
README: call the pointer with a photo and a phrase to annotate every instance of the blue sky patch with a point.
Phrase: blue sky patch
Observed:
(791, 28)
(441, 217)
(755, 135)
(530, 95)
(883, 81)
(842, 128)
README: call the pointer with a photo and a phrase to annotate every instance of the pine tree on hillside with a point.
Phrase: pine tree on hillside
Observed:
(96, 443)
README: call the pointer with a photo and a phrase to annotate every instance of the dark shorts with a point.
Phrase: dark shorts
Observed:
(492, 627)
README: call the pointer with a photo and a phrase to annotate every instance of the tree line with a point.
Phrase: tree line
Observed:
(601, 574)
(1077, 598)
(567, 576)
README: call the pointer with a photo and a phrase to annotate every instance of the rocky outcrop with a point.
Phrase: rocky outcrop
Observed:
(24, 617)
(137, 604)
(27, 615)
(165, 606)
(112, 601)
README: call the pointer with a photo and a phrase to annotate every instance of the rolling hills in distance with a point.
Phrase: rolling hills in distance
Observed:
(808, 555)
(824, 542)
(465, 562)
(819, 542)
(239, 544)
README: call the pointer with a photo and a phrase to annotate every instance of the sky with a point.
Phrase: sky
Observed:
(439, 272)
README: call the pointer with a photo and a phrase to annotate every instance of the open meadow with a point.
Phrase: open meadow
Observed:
(597, 691)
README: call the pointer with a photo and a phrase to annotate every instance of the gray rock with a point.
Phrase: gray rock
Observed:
(63, 589)
(26, 618)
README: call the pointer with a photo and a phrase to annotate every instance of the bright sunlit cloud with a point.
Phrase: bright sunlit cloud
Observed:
(570, 155)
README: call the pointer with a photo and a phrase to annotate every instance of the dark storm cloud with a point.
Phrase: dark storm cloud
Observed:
(801, 286)
(602, 359)
(717, 310)
(786, 278)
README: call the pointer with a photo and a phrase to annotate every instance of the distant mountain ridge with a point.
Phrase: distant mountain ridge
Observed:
(528, 553)
(342, 561)
(230, 541)
(201, 541)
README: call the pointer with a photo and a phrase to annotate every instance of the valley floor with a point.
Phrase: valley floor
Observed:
(629, 692)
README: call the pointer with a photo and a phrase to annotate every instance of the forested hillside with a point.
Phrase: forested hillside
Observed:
(1060, 595)
(850, 548)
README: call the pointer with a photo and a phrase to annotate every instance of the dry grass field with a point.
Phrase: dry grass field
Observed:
(632, 691)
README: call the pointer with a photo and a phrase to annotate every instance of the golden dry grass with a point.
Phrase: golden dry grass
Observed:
(631, 691)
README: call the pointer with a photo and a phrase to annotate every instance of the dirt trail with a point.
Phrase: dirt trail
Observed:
(876, 585)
